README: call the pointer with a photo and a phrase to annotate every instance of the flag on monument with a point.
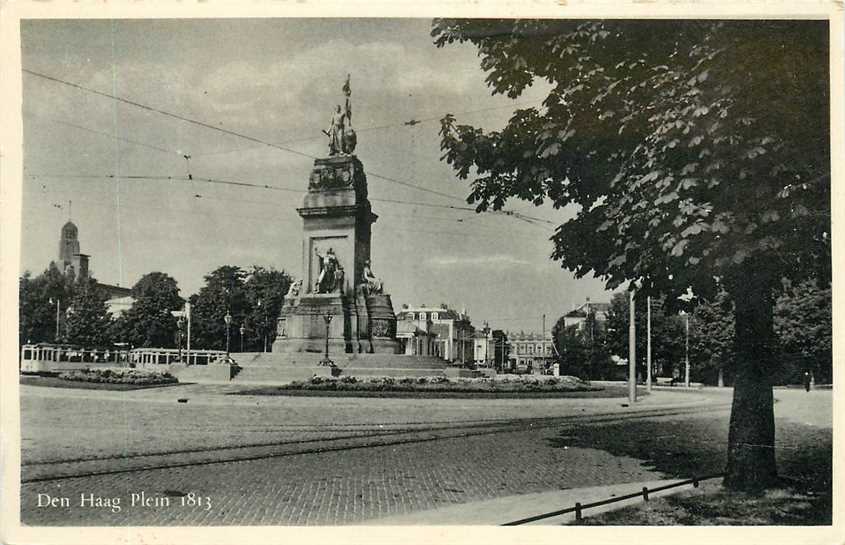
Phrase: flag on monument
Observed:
(347, 90)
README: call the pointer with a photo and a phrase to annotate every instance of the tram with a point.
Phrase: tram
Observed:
(48, 358)
(56, 358)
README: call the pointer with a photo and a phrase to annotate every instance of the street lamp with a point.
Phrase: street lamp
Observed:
(180, 326)
(228, 320)
(242, 336)
(326, 361)
(58, 315)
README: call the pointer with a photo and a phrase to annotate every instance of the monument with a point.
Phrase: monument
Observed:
(340, 296)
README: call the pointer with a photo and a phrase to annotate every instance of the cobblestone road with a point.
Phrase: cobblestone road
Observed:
(351, 486)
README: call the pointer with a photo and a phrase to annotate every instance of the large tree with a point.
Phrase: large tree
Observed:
(89, 323)
(222, 293)
(667, 335)
(803, 322)
(265, 291)
(40, 298)
(150, 322)
(712, 340)
(691, 154)
(252, 297)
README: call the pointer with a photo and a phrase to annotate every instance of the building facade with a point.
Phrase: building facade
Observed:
(417, 335)
(453, 330)
(530, 352)
(578, 316)
(490, 348)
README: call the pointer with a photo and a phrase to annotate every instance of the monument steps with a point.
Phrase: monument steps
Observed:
(265, 374)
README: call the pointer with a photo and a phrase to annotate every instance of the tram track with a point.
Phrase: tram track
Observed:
(33, 472)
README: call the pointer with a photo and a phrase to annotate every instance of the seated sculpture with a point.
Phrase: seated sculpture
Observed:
(371, 284)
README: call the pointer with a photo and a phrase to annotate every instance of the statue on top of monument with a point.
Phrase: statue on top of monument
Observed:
(342, 138)
(331, 272)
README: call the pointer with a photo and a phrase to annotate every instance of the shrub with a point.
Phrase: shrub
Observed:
(118, 376)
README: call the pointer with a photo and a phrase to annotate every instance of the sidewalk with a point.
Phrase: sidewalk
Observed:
(511, 508)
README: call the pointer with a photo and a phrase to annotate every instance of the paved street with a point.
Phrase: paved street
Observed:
(297, 460)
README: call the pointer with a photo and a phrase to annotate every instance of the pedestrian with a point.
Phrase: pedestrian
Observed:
(807, 380)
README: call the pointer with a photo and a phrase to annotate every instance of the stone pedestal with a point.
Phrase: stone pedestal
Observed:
(303, 325)
(382, 322)
(337, 220)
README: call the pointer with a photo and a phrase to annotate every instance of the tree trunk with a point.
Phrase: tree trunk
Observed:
(751, 455)
(720, 381)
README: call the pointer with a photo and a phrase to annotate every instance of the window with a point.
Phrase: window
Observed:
(530, 348)
(434, 316)
(423, 316)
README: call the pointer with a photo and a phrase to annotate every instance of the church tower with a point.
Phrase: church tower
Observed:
(69, 255)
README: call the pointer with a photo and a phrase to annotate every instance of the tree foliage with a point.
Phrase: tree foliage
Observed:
(39, 298)
(667, 335)
(803, 322)
(659, 135)
(265, 291)
(230, 288)
(149, 322)
(692, 155)
(582, 352)
(712, 340)
(89, 323)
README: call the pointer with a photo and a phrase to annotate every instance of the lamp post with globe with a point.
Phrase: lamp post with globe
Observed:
(228, 320)
(326, 361)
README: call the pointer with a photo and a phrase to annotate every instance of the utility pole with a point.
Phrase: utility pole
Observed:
(648, 345)
(543, 344)
(632, 350)
(686, 350)
(188, 346)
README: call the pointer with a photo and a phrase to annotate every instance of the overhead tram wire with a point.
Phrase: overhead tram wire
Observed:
(108, 135)
(471, 234)
(259, 141)
(238, 183)
(380, 127)
(224, 131)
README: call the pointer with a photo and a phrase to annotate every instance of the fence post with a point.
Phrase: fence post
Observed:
(577, 511)
(645, 493)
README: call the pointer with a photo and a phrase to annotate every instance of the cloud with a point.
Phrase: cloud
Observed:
(496, 259)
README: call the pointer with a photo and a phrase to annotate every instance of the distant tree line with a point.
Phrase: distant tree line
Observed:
(56, 307)
(802, 322)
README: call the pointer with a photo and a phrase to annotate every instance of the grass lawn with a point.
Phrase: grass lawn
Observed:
(710, 505)
(56, 382)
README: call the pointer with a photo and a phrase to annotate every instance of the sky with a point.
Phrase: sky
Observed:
(275, 80)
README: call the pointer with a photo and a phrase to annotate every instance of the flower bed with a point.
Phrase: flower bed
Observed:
(502, 383)
(119, 376)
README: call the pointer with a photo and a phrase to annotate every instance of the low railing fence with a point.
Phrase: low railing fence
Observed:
(579, 508)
